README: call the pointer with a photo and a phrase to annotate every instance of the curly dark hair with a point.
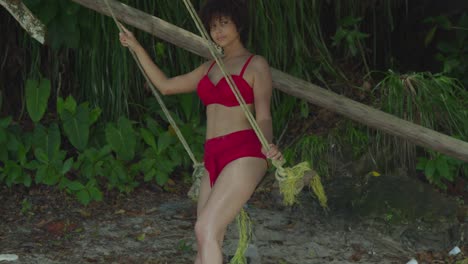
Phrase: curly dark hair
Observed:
(237, 10)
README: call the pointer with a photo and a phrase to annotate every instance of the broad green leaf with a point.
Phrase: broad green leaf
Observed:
(148, 137)
(76, 126)
(13, 172)
(122, 138)
(175, 155)
(21, 155)
(48, 139)
(27, 180)
(94, 115)
(153, 126)
(430, 168)
(52, 177)
(164, 140)
(75, 186)
(83, 197)
(41, 155)
(161, 178)
(68, 104)
(95, 193)
(146, 164)
(41, 173)
(67, 166)
(37, 95)
(186, 102)
(32, 165)
(443, 168)
(149, 175)
(422, 161)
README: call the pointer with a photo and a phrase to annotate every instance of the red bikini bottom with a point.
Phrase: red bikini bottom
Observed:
(219, 151)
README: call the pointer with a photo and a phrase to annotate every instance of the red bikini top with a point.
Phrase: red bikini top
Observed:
(221, 93)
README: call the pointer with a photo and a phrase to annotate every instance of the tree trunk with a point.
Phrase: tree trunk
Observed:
(296, 87)
(27, 20)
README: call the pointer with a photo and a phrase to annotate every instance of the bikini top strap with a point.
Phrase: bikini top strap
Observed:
(211, 66)
(246, 64)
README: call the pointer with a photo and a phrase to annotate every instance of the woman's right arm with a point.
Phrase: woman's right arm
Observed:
(180, 84)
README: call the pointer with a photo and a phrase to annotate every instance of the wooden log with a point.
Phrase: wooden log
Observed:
(358, 112)
(27, 20)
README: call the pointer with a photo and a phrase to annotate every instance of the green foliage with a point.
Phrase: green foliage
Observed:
(348, 35)
(26, 206)
(90, 163)
(155, 163)
(13, 154)
(50, 163)
(121, 137)
(350, 135)
(37, 96)
(109, 164)
(77, 120)
(99, 165)
(440, 167)
(4, 123)
(48, 140)
(433, 101)
(84, 193)
(66, 21)
(452, 54)
(310, 148)
(12, 173)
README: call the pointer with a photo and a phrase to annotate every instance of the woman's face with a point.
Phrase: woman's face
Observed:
(223, 31)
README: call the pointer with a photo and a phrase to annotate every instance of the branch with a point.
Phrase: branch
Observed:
(356, 111)
(27, 20)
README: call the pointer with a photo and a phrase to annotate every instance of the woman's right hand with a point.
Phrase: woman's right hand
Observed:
(127, 39)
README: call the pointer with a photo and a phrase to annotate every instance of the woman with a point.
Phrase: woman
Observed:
(234, 157)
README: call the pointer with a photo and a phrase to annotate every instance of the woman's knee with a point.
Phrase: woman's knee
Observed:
(206, 232)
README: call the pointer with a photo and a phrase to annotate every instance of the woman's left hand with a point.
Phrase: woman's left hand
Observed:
(273, 153)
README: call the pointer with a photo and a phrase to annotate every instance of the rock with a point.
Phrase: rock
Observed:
(8, 257)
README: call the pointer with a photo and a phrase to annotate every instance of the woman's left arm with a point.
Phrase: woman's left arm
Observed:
(262, 89)
(262, 99)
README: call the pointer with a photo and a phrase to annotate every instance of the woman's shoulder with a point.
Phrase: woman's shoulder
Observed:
(204, 66)
(259, 63)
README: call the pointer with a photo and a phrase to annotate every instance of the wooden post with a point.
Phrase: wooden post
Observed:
(296, 87)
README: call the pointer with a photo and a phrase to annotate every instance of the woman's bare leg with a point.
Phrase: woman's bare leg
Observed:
(203, 195)
(233, 188)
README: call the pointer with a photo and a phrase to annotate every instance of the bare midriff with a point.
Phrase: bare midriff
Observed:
(222, 120)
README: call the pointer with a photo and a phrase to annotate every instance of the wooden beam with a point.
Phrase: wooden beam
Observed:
(291, 85)
(27, 20)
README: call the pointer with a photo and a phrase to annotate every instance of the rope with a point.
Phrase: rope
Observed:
(199, 169)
